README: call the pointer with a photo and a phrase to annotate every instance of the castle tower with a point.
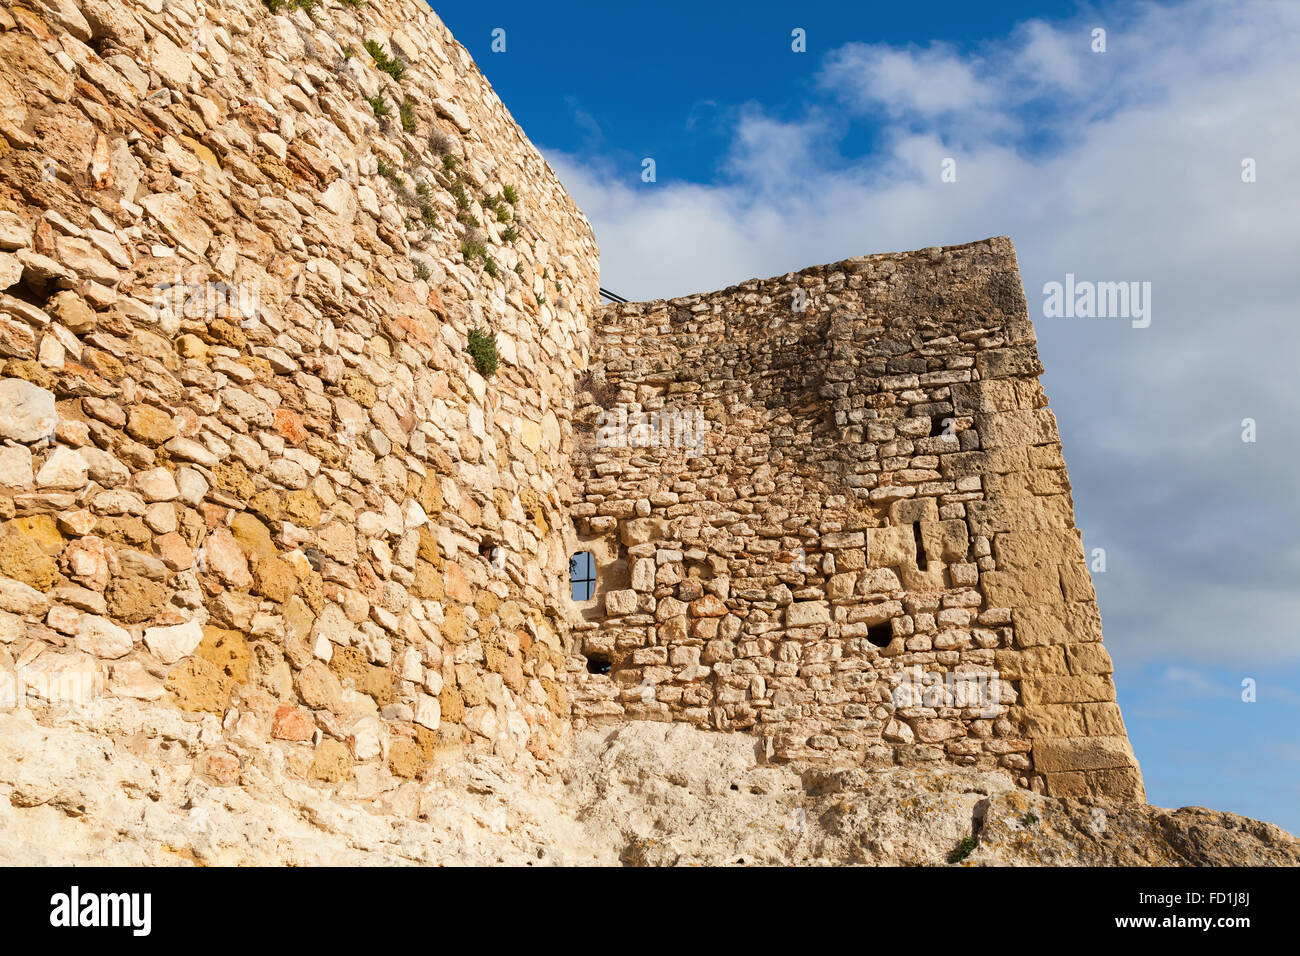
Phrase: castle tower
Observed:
(831, 508)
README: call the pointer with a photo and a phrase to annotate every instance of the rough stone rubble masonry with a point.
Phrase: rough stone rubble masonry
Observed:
(832, 509)
(249, 474)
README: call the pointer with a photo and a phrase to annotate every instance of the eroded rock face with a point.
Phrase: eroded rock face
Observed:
(643, 794)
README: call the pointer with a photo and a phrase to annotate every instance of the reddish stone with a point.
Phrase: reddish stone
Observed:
(292, 723)
(223, 768)
(92, 379)
(173, 551)
(458, 588)
(708, 606)
(223, 557)
(290, 426)
(213, 515)
(414, 328)
(434, 301)
(187, 423)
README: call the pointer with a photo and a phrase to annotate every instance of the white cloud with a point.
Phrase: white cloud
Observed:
(931, 81)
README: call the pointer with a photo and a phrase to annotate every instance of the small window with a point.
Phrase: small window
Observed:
(880, 634)
(582, 576)
(597, 664)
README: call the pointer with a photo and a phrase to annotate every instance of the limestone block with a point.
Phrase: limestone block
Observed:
(642, 531)
(1016, 589)
(1032, 514)
(1088, 659)
(170, 644)
(1058, 754)
(1017, 550)
(643, 574)
(102, 638)
(807, 613)
(1102, 719)
(1051, 720)
(16, 467)
(912, 510)
(620, 602)
(1067, 690)
(945, 541)
(1048, 659)
(1123, 784)
(26, 411)
(890, 547)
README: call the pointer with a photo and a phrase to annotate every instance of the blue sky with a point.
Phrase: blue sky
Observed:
(1117, 166)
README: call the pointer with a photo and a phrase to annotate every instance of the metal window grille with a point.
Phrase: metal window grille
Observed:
(582, 575)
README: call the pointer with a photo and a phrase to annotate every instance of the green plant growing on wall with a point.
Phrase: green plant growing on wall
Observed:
(449, 163)
(473, 249)
(278, 6)
(391, 65)
(422, 270)
(511, 195)
(519, 268)
(482, 348)
(509, 234)
(407, 110)
(428, 215)
(462, 198)
(379, 106)
(490, 267)
(354, 4)
(963, 849)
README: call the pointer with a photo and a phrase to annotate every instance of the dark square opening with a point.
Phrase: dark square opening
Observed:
(880, 634)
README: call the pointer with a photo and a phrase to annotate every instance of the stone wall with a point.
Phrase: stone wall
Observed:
(265, 522)
(248, 469)
(831, 507)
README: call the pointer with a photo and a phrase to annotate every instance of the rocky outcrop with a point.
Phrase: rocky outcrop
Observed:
(641, 794)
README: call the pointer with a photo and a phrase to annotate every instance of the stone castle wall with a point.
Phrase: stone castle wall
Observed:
(248, 472)
(262, 520)
(831, 508)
